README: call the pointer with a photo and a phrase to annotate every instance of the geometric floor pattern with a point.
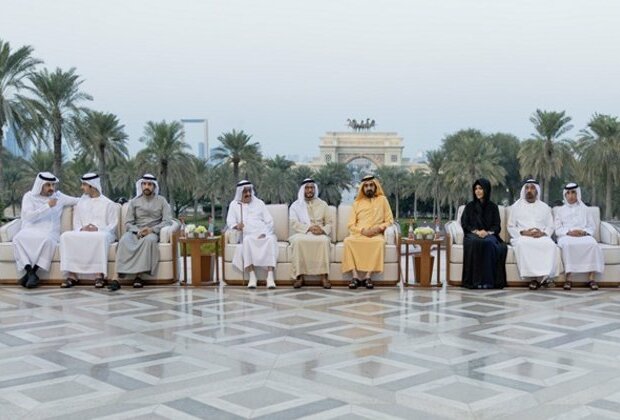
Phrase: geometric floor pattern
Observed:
(230, 353)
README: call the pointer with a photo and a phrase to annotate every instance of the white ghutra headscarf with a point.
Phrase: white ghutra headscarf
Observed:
(42, 178)
(146, 178)
(241, 185)
(299, 209)
(93, 180)
(530, 181)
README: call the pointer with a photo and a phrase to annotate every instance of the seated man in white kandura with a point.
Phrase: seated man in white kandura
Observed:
(310, 225)
(574, 228)
(259, 246)
(35, 244)
(530, 226)
(84, 250)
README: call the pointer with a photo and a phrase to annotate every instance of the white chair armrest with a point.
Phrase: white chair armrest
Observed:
(166, 232)
(9, 230)
(232, 236)
(609, 234)
(391, 234)
(456, 232)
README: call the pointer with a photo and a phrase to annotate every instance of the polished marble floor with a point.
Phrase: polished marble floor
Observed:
(230, 353)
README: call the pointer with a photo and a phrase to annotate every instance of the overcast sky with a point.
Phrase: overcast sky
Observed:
(287, 71)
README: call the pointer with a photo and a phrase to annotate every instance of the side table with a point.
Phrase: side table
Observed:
(201, 269)
(426, 268)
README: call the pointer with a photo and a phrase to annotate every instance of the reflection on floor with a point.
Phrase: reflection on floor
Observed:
(310, 353)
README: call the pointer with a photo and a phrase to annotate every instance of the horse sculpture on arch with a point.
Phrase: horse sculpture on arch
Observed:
(361, 125)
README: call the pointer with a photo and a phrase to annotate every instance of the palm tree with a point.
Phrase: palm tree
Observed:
(394, 181)
(101, 136)
(473, 158)
(165, 149)
(236, 149)
(535, 164)
(123, 176)
(16, 180)
(332, 179)
(549, 126)
(435, 160)
(15, 67)
(302, 172)
(599, 145)
(56, 98)
(508, 147)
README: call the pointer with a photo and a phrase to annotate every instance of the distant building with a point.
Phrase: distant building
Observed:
(10, 143)
(197, 136)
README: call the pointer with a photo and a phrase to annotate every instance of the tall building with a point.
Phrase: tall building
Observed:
(10, 143)
(197, 136)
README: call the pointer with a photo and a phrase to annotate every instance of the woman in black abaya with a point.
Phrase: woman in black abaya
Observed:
(484, 251)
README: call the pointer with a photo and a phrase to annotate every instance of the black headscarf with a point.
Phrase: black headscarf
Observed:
(481, 214)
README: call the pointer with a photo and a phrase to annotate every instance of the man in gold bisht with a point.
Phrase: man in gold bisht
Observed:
(364, 248)
(310, 225)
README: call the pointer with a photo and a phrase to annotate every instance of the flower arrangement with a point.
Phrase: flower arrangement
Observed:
(424, 232)
(200, 229)
(190, 229)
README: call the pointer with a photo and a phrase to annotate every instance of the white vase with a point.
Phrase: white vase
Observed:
(202, 235)
(191, 235)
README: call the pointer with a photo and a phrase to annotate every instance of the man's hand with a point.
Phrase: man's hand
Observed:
(316, 230)
(52, 202)
(577, 232)
(481, 233)
(261, 236)
(144, 231)
(89, 228)
(239, 226)
(370, 232)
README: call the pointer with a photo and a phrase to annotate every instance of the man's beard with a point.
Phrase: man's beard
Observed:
(147, 192)
(309, 196)
(369, 193)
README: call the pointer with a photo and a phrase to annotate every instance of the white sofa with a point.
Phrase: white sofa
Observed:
(605, 234)
(8, 270)
(279, 212)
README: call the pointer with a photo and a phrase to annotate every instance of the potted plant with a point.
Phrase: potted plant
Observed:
(424, 232)
(190, 230)
(201, 231)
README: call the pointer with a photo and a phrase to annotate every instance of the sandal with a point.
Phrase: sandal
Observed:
(593, 285)
(567, 285)
(368, 283)
(100, 283)
(534, 285)
(69, 282)
(137, 283)
(354, 283)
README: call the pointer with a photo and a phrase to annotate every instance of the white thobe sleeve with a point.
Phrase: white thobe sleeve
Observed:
(31, 212)
(560, 228)
(513, 226)
(231, 217)
(590, 225)
(549, 227)
(67, 200)
(111, 220)
(77, 220)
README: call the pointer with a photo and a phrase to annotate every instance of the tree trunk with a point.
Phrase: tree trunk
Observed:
(195, 211)
(213, 206)
(164, 182)
(593, 200)
(397, 208)
(415, 206)
(58, 153)
(102, 174)
(545, 187)
(1, 161)
(608, 196)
